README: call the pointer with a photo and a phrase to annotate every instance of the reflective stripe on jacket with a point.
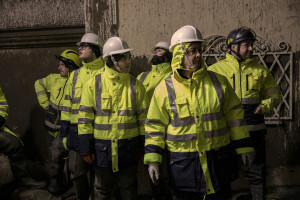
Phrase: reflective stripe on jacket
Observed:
(3, 108)
(113, 112)
(4, 113)
(152, 78)
(55, 85)
(192, 118)
(71, 102)
(253, 84)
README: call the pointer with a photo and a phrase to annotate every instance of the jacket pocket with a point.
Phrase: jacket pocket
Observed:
(73, 141)
(103, 153)
(182, 107)
(129, 151)
(222, 165)
(253, 80)
(78, 91)
(185, 171)
(106, 101)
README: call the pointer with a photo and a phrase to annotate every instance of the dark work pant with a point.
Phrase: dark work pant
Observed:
(57, 156)
(107, 182)
(79, 172)
(254, 164)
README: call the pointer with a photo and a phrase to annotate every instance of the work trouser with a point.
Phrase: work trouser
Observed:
(162, 191)
(79, 171)
(254, 165)
(57, 155)
(107, 182)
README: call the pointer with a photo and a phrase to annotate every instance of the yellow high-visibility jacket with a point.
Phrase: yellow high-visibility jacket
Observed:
(197, 120)
(112, 114)
(71, 102)
(152, 78)
(253, 84)
(4, 113)
(54, 85)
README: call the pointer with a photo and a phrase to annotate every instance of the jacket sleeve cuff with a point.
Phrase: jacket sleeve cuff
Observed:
(152, 157)
(244, 150)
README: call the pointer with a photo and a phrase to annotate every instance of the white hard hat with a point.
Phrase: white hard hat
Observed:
(161, 45)
(185, 34)
(91, 38)
(115, 45)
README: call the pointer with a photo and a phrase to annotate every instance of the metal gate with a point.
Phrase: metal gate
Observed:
(279, 61)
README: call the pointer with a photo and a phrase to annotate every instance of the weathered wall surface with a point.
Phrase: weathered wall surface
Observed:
(20, 14)
(31, 33)
(143, 23)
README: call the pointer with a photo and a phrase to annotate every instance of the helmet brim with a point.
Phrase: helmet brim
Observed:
(117, 52)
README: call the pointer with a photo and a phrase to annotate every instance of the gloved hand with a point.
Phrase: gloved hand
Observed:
(64, 141)
(89, 158)
(154, 172)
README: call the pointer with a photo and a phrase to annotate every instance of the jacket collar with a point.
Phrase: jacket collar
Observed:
(96, 64)
(232, 59)
(161, 68)
(112, 74)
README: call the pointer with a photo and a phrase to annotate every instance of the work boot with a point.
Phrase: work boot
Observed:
(257, 192)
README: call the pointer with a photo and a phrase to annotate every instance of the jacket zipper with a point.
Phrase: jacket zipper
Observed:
(233, 80)
(247, 82)
(58, 93)
(241, 82)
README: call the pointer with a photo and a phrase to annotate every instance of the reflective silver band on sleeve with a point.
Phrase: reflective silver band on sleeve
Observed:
(149, 134)
(182, 138)
(215, 133)
(235, 123)
(256, 127)
(41, 93)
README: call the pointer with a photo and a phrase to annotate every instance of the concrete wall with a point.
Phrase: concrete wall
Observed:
(20, 14)
(143, 23)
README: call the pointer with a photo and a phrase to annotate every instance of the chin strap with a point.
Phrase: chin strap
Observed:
(238, 53)
(187, 58)
(116, 64)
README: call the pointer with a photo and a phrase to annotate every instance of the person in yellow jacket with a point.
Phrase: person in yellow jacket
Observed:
(90, 51)
(198, 118)
(12, 146)
(54, 84)
(111, 123)
(257, 91)
(161, 69)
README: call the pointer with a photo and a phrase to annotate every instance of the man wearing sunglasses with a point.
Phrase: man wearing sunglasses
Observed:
(258, 93)
(54, 84)
(90, 52)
